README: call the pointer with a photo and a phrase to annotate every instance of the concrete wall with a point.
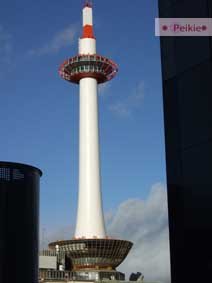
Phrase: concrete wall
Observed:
(48, 262)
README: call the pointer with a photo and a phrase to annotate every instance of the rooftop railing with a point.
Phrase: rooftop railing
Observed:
(48, 253)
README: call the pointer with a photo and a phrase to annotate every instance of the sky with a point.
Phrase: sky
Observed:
(39, 119)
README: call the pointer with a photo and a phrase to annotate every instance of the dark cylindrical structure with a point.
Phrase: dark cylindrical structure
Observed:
(19, 219)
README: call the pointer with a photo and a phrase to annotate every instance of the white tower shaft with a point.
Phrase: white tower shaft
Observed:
(90, 219)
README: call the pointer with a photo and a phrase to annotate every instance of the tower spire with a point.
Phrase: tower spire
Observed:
(87, 20)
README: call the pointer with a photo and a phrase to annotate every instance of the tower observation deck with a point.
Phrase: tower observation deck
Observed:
(90, 248)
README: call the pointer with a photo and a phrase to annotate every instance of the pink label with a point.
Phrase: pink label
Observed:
(183, 26)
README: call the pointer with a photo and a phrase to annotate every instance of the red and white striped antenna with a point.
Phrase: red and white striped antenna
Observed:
(88, 20)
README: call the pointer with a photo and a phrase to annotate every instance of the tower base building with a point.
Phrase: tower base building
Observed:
(93, 259)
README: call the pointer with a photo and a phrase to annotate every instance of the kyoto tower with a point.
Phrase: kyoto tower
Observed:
(90, 249)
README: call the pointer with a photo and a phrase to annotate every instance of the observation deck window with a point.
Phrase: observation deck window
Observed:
(92, 68)
(81, 68)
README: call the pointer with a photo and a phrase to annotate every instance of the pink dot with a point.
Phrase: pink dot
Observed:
(164, 27)
(204, 27)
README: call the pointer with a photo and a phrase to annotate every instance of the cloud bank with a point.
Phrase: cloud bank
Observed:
(145, 223)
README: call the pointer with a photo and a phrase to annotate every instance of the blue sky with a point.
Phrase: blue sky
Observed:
(39, 119)
(39, 111)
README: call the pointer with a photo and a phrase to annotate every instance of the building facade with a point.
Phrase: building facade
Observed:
(187, 98)
(19, 211)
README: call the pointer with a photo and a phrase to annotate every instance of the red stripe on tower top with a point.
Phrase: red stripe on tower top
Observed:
(88, 32)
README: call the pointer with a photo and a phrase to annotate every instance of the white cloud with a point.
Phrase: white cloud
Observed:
(61, 39)
(145, 223)
(125, 107)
